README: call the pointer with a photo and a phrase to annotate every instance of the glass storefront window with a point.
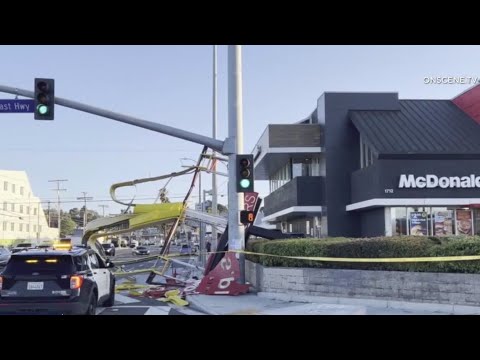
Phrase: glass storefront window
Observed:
(399, 221)
(437, 221)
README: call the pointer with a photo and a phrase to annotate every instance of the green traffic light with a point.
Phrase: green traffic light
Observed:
(42, 109)
(244, 183)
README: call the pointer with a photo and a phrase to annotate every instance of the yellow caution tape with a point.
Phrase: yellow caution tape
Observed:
(134, 293)
(129, 286)
(368, 260)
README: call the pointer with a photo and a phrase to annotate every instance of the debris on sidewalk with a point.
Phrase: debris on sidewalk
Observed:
(173, 296)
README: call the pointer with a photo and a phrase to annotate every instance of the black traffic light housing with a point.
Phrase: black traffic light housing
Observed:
(244, 173)
(44, 99)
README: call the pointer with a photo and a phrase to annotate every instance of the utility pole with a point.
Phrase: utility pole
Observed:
(48, 202)
(236, 237)
(58, 202)
(103, 208)
(84, 198)
(214, 135)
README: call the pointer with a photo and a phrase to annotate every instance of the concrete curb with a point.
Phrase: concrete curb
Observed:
(452, 309)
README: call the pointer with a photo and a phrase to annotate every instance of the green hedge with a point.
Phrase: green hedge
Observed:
(381, 247)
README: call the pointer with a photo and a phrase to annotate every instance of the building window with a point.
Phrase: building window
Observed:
(399, 220)
(366, 154)
(281, 177)
(5, 206)
(39, 228)
(13, 188)
(13, 207)
(34, 228)
(28, 210)
(12, 226)
(5, 185)
(20, 227)
(4, 226)
(21, 209)
(34, 211)
(21, 190)
(27, 227)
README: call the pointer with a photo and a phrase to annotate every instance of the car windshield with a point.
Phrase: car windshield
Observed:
(106, 246)
(26, 265)
(141, 248)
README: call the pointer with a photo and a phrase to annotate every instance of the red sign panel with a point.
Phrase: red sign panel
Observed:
(250, 200)
(223, 279)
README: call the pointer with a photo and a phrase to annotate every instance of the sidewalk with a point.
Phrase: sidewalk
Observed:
(281, 304)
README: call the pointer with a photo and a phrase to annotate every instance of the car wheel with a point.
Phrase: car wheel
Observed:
(111, 299)
(92, 306)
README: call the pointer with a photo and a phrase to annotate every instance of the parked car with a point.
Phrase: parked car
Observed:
(46, 281)
(134, 243)
(23, 246)
(141, 250)
(109, 249)
(4, 256)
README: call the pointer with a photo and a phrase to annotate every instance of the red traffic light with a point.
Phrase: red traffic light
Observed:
(244, 162)
(42, 86)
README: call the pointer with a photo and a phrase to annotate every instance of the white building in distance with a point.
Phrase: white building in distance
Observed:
(21, 214)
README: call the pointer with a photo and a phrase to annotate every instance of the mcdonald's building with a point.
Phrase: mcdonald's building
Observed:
(373, 164)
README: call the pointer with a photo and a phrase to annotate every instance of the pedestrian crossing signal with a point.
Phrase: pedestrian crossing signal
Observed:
(247, 217)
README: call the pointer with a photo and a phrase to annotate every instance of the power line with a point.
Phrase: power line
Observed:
(106, 200)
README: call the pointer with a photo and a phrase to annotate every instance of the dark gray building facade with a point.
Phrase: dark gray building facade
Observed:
(370, 164)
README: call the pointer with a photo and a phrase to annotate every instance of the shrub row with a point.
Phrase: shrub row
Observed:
(380, 247)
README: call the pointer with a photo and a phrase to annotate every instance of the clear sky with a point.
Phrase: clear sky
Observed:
(172, 85)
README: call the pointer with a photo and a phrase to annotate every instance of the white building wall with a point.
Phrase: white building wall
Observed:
(21, 213)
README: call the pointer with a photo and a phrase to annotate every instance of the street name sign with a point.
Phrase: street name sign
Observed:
(16, 106)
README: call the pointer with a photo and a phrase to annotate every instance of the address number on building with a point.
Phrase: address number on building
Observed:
(388, 191)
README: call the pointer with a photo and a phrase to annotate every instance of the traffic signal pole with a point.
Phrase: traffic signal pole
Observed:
(225, 147)
(236, 231)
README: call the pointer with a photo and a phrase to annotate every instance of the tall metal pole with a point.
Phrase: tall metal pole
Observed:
(214, 135)
(84, 198)
(235, 132)
(58, 203)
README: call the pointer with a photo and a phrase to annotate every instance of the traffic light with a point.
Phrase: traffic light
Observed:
(44, 99)
(245, 173)
(247, 217)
